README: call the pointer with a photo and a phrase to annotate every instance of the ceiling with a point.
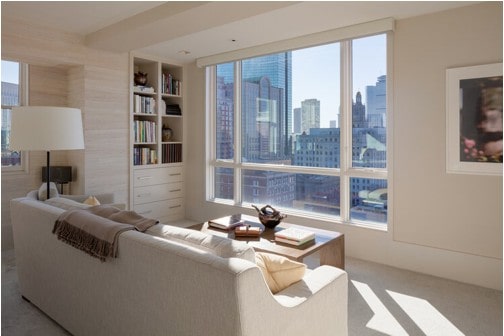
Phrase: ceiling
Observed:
(187, 30)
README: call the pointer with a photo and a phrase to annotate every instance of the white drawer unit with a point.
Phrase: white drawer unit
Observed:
(153, 176)
(164, 211)
(159, 193)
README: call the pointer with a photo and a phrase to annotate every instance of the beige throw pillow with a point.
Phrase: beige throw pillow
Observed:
(91, 200)
(278, 271)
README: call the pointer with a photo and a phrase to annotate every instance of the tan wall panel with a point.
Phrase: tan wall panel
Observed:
(432, 208)
(96, 82)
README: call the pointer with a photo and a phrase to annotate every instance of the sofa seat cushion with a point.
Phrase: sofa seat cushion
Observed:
(278, 271)
(220, 246)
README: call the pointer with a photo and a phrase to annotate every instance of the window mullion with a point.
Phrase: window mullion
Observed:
(346, 129)
(211, 103)
(237, 134)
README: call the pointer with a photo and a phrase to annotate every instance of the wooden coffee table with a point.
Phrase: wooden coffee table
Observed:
(329, 244)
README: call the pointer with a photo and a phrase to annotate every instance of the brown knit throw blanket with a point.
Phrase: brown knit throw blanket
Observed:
(95, 230)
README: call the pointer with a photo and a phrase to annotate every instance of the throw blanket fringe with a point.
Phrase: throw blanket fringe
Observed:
(96, 230)
(86, 242)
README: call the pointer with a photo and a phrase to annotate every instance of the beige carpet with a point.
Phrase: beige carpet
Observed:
(382, 301)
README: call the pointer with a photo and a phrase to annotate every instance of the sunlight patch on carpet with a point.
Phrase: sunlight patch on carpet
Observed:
(425, 315)
(382, 321)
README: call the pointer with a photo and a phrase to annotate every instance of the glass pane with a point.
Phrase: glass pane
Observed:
(225, 112)
(10, 97)
(320, 148)
(368, 200)
(285, 96)
(311, 193)
(10, 83)
(369, 108)
(224, 183)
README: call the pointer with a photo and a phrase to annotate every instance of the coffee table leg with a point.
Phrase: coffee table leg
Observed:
(334, 253)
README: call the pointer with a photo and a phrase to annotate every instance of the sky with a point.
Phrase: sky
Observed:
(10, 72)
(315, 73)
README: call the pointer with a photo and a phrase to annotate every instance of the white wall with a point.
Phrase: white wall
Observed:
(442, 224)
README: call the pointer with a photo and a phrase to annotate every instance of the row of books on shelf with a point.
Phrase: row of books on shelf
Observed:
(144, 156)
(144, 131)
(171, 153)
(170, 85)
(144, 104)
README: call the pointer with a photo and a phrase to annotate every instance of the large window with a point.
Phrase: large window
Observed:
(13, 75)
(303, 130)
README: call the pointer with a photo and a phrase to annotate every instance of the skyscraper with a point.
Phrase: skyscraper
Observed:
(297, 120)
(310, 114)
(278, 69)
(376, 101)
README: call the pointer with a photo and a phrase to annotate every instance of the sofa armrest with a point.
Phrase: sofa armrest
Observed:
(316, 305)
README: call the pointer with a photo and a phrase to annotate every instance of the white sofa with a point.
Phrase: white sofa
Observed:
(161, 286)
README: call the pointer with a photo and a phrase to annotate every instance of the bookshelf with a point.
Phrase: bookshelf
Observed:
(157, 136)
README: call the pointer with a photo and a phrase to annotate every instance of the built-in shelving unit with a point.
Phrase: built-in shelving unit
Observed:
(157, 127)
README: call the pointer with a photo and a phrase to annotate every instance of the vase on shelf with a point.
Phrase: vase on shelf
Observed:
(167, 134)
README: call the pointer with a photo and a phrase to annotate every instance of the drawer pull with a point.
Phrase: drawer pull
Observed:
(175, 190)
(144, 177)
(142, 195)
(175, 174)
(175, 206)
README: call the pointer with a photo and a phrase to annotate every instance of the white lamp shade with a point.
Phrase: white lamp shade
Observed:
(46, 128)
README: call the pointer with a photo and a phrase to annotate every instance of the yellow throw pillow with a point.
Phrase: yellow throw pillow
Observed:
(279, 272)
(91, 200)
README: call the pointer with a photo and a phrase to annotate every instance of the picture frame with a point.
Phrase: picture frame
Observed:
(474, 120)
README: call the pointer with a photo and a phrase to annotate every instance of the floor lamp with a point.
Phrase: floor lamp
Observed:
(46, 128)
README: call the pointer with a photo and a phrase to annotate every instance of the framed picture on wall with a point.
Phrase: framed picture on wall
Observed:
(474, 120)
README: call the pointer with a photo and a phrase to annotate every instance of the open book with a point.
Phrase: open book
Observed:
(227, 222)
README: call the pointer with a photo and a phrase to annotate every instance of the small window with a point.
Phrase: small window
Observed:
(12, 95)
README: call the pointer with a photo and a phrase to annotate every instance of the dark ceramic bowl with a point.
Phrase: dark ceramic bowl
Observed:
(270, 222)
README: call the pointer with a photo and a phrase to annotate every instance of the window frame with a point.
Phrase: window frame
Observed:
(23, 101)
(345, 172)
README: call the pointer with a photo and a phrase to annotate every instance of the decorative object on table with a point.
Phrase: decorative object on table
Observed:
(269, 216)
(166, 134)
(294, 236)
(140, 78)
(247, 231)
(474, 120)
(227, 222)
(46, 128)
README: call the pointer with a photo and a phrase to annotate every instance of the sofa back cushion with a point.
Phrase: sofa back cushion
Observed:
(66, 204)
(220, 246)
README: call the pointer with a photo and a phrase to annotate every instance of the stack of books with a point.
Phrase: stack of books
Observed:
(294, 236)
(227, 222)
(173, 109)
